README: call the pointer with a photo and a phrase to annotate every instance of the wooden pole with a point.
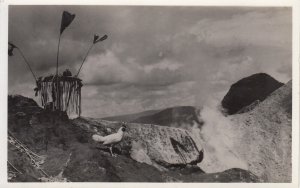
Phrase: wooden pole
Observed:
(57, 54)
(57, 102)
(14, 167)
(84, 59)
(27, 64)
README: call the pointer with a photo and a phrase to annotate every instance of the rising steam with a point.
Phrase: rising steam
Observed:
(219, 137)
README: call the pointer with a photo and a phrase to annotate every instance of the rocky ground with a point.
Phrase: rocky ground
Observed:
(192, 145)
(69, 154)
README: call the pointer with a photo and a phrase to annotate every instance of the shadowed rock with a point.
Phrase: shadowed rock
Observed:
(247, 90)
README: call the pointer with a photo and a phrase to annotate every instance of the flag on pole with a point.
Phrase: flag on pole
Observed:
(96, 38)
(66, 20)
(11, 47)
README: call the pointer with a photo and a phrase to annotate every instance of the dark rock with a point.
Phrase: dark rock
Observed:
(17, 103)
(94, 165)
(247, 90)
(231, 175)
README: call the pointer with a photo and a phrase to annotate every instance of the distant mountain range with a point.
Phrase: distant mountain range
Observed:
(173, 116)
(131, 117)
(242, 96)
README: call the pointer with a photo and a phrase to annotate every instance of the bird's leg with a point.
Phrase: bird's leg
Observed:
(111, 152)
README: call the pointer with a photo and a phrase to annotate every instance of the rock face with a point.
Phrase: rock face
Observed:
(269, 155)
(260, 139)
(164, 154)
(248, 90)
(152, 143)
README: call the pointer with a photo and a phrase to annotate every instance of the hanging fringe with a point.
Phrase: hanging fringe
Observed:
(64, 94)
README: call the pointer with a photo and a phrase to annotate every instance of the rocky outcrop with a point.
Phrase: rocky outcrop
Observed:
(150, 143)
(270, 123)
(16, 101)
(258, 140)
(247, 90)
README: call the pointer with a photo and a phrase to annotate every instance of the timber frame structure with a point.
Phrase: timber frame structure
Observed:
(61, 93)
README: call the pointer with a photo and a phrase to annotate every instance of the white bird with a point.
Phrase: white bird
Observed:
(111, 139)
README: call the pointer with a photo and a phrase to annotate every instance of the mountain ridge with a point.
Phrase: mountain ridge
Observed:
(130, 117)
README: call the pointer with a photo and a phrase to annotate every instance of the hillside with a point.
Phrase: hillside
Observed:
(248, 90)
(47, 146)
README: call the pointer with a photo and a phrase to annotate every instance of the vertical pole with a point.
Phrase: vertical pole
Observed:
(57, 54)
(57, 80)
(27, 64)
(84, 59)
(79, 102)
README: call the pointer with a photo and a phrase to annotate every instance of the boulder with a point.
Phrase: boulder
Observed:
(166, 146)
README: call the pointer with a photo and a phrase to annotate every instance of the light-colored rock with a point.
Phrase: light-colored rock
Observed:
(165, 146)
(139, 153)
(259, 140)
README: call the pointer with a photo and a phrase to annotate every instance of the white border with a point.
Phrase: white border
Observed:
(4, 80)
(278, 3)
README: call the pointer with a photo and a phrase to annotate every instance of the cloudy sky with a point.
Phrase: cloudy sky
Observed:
(154, 57)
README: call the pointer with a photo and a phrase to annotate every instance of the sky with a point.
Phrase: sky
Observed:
(155, 57)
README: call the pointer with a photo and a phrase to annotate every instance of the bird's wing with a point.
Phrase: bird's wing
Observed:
(98, 138)
(113, 138)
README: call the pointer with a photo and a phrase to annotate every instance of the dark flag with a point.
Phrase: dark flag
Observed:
(11, 47)
(66, 20)
(96, 38)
